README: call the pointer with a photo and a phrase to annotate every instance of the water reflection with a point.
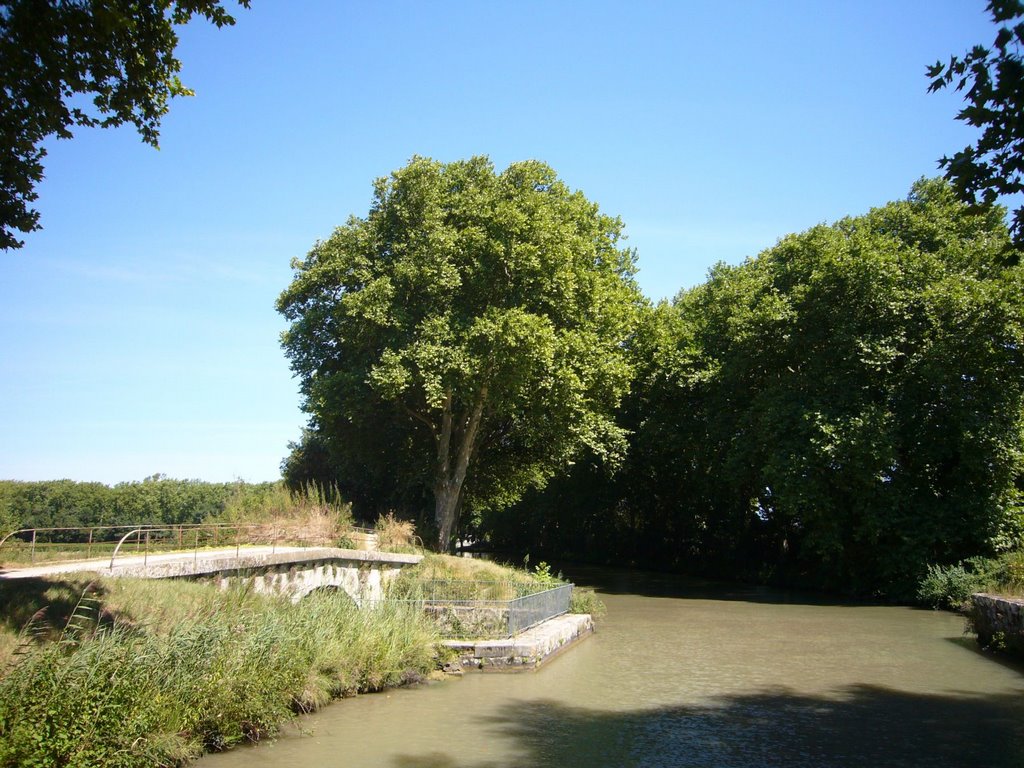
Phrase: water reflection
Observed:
(612, 581)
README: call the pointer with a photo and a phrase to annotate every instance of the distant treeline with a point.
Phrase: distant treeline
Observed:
(155, 500)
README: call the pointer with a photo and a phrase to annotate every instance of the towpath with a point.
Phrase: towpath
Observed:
(102, 565)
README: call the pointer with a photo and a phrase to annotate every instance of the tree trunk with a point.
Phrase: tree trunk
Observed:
(451, 475)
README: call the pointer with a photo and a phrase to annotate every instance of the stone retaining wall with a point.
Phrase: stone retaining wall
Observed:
(998, 622)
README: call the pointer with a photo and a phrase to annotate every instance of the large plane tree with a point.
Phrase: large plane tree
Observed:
(467, 336)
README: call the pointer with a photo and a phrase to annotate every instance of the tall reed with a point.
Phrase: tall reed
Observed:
(156, 686)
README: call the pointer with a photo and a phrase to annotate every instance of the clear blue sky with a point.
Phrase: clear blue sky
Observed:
(137, 329)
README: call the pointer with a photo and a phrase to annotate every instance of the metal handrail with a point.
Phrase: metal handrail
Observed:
(23, 530)
(148, 529)
(140, 531)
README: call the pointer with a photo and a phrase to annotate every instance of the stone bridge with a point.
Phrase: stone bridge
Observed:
(290, 571)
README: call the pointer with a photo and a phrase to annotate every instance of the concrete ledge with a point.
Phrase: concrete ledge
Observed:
(527, 650)
(999, 622)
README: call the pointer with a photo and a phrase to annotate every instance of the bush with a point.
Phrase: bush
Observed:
(585, 600)
(949, 586)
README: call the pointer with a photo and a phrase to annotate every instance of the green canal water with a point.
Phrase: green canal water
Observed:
(685, 673)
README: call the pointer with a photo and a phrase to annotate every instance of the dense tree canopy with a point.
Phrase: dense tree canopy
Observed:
(841, 411)
(155, 500)
(54, 52)
(465, 339)
(994, 165)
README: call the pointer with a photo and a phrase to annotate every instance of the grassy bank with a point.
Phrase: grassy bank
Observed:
(134, 673)
(473, 579)
(951, 586)
(125, 672)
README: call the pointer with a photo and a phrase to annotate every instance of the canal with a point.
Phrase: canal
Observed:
(688, 673)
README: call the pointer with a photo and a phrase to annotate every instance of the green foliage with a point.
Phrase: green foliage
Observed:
(542, 573)
(994, 165)
(949, 586)
(585, 600)
(156, 500)
(119, 52)
(186, 667)
(839, 412)
(463, 341)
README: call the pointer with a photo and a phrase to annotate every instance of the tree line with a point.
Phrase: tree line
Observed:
(840, 411)
(155, 500)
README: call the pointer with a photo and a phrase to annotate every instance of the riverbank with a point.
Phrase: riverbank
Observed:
(129, 672)
(117, 672)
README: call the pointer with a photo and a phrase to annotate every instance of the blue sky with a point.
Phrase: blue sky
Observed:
(137, 329)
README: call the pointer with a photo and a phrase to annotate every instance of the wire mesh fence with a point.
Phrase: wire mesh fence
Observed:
(529, 610)
(486, 609)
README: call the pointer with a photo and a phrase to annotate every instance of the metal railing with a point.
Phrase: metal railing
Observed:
(85, 543)
(530, 610)
(473, 610)
(155, 534)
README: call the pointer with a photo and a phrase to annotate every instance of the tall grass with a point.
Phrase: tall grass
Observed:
(151, 673)
(434, 567)
(313, 515)
(394, 535)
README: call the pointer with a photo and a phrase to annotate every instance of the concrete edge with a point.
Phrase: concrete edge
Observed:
(528, 650)
(998, 622)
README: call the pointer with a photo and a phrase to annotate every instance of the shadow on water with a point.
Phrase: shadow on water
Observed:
(623, 581)
(969, 642)
(865, 726)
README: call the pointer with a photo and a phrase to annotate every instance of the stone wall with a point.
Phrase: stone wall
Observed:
(363, 582)
(998, 622)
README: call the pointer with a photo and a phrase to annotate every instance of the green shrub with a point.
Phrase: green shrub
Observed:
(585, 600)
(542, 573)
(949, 586)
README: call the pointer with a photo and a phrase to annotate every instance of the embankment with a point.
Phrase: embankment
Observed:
(154, 673)
(998, 622)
